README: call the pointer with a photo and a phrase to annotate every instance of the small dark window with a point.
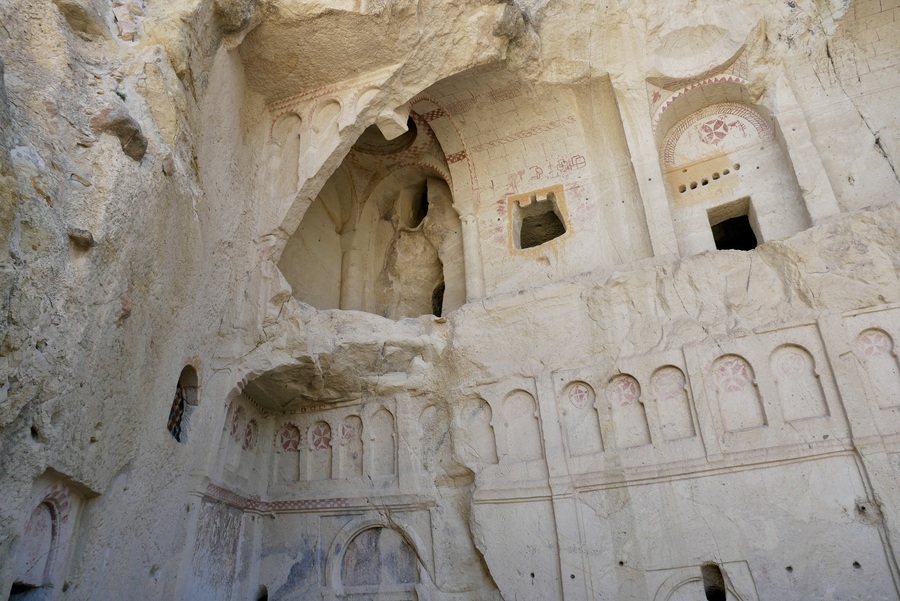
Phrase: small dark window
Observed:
(263, 594)
(713, 582)
(184, 402)
(734, 234)
(176, 414)
(539, 222)
(437, 299)
(420, 207)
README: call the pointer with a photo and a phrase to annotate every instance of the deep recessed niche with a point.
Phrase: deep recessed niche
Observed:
(536, 219)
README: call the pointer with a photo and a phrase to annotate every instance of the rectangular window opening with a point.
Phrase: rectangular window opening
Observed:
(731, 226)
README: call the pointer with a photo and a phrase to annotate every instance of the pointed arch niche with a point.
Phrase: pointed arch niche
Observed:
(729, 178)
(382, 236)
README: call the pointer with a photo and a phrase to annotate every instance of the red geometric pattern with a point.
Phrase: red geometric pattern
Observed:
(435, 114)
(217, 493)
(320, 437)
(624, 390)
(714, 131)
(58, 497)
(456, 157)
(580, 395)
(290, 438)
(732, 374)
(874, 343)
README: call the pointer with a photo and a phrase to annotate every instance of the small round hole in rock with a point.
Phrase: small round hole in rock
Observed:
(789, 569)
(34, 432)
(715, 175)
(737, 166)
(704, 181)
(856, 565)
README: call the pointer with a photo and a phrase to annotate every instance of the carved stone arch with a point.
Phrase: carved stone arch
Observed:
(798, 383)
(464, 182)
(630, 426)
(688, 578)
(278, 125)
(325, 114)
(670, 388)
(37, 556)
(335, 557)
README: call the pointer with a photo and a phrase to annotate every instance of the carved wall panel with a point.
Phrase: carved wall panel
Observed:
(319, 451)
(669, 387)
(477, 429)
(351, 447)
(382, 441)
(739, 401)
(876, 347)
(47, 528)
(287, 452)
(771, 388)
(630, 427)
(798, 383)
(579, 418)
(435, 436)
(523, 432)
(872, 337)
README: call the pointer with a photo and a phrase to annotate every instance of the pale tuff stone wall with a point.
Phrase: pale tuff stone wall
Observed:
(263, 338)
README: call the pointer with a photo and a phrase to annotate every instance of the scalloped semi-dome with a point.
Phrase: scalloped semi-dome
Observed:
(692, 51)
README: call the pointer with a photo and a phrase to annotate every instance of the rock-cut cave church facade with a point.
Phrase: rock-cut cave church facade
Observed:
(450, 301)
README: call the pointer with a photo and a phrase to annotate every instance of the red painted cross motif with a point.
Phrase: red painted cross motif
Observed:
(290, 438)
(347, 432)
(874, 343)
(732, 375)
(579, 395)
(321, 437)
(624, 390)
(715, 130)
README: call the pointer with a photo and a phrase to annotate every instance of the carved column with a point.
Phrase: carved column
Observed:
(472, 259)
(353, 264)
(635, 112)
